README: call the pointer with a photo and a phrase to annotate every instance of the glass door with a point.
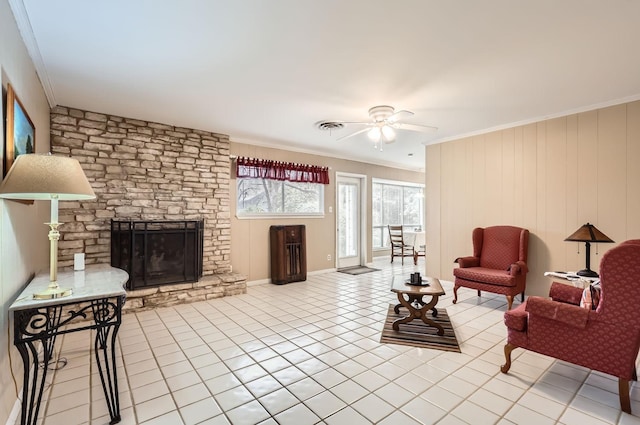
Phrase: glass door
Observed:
(349, 222)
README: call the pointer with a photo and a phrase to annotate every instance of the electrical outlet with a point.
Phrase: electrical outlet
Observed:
(329, 257)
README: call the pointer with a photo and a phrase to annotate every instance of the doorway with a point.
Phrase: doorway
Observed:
(350, 221)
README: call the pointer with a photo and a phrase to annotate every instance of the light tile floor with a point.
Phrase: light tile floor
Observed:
(309, 352)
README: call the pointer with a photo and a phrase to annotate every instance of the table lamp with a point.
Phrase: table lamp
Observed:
(56, 178)
(588, 233)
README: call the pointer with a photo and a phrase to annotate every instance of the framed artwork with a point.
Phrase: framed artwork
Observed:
(3, 97)
(21, 133)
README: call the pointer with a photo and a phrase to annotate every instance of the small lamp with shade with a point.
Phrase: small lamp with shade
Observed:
(54, 178)
(588, 233)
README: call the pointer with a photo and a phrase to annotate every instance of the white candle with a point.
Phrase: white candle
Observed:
(78, 261)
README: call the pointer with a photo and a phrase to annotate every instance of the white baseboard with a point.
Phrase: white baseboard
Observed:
(15, 412)
(265, 281)
(258, 282)
(323, 271)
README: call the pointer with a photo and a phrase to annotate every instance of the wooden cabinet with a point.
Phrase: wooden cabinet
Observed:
(288, 254)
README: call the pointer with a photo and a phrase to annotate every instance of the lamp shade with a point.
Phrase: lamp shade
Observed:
(36, 176)
(588, 233)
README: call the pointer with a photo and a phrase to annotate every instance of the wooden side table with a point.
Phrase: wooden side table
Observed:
(97, 299)
(572, 278)
(411, 297)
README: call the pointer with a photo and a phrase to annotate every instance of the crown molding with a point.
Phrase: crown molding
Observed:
(565, 113)
(24, 26)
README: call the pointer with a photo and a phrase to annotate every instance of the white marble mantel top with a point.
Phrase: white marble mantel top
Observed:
(96, 281)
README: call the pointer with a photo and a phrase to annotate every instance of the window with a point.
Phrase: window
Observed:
(272, 188)
(395, 203)
(263, 197)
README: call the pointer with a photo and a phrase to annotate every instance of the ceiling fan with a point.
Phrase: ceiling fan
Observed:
(383, 125)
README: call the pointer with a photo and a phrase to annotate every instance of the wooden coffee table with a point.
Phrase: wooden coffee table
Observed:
(411, 297)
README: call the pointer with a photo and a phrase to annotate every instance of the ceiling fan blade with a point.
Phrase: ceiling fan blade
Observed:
(399, 116)
(418, 127)
(353, 122)
(352, 134)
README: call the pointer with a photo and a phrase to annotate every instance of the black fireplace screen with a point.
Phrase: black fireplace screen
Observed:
(157, 253)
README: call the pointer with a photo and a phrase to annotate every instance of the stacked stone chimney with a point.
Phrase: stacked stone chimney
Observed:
(147, 171)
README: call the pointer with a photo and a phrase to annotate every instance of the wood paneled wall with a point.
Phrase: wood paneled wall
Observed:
(549, 177)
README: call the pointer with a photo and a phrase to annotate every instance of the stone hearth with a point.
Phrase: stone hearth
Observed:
(207, 288)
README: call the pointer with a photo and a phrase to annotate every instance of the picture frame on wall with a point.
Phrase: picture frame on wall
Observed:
(3, 98)
(21, 133)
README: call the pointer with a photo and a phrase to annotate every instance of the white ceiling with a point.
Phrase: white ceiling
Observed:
(265, 71)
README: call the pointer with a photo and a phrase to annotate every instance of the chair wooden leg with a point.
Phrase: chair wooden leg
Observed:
(623, 390)
(509, 301)
(508, 348)
(455, 294)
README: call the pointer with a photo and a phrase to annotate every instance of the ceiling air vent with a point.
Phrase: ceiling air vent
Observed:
(329, 125)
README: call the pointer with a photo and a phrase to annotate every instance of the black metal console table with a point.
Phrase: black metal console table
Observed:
(96, 303)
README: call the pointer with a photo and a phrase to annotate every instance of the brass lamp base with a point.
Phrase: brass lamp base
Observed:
(52, 292)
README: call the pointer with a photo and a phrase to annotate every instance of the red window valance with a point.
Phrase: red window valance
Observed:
(277, 170)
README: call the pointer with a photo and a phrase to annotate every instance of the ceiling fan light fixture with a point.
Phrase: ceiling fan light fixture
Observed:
(388, 134)
(380, 113)
(383, 125)
(374, 134)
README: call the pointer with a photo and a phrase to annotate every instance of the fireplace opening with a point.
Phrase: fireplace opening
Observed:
(157, 252)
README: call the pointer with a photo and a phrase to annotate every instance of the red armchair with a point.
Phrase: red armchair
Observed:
(606, 339)
(498, 264)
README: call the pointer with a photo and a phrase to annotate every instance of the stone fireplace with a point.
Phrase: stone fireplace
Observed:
(157, 253)
(147, 171)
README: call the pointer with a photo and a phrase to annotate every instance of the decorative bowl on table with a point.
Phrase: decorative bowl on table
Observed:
(416, 280)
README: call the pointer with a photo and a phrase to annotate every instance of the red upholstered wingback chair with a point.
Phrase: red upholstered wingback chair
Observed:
(498, 265)
(605, 339)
